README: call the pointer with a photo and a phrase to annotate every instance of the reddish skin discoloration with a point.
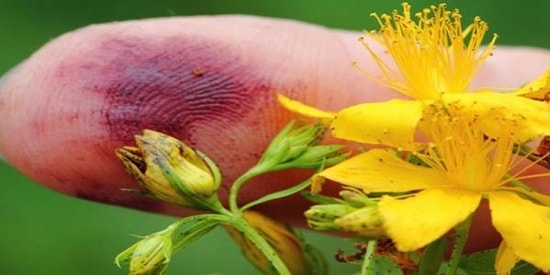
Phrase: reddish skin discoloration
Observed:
(154, 85)
(107, 84)
(156, 88)
(150, 87)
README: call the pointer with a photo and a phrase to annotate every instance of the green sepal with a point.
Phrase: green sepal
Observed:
(193, 233)
(320, 199)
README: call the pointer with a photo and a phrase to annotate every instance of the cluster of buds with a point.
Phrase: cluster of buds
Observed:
(296, 147)
(354, 212)
(169, 170)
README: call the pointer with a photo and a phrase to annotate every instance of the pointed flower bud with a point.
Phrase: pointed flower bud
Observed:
(150, 255)
(284, 242)
(355, 212)
(356, 198)
(296, 147)
(322, 216)
(365, 221)
(171, 171)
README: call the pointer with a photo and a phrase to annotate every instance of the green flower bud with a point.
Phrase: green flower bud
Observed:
(171, 171)
(355, 212)
(316, 156)
(356, 198)
(365, 221)
(295, 147)
(291, 142)
(322, 216)
(151, 255)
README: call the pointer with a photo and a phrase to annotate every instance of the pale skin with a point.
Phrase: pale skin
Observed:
(210, 81)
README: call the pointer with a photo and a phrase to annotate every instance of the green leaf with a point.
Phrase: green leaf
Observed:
(524, 268)
(482, 263)
(432, 257)
(459, 271)
(380, 265)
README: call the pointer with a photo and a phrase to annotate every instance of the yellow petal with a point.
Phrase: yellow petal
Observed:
(505, 260)
(414, 222)
(303, 109)
(381, 170)
(390, 123)
(532, 117)
(524, 226)
(536, 89)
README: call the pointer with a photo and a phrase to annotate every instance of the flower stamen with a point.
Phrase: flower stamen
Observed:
(431, 52)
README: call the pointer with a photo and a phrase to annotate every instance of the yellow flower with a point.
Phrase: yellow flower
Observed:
(431, 53)
(435, 61)
(464, 165)
(471, 138)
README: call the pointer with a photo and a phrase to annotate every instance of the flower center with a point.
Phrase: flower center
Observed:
(465, 155)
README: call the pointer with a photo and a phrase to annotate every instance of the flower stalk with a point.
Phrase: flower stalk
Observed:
(272, 264)
(294, 147)
(366, 266)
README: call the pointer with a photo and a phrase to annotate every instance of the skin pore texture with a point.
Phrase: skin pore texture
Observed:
(210, 81)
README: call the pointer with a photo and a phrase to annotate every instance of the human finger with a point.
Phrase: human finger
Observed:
(210, 81)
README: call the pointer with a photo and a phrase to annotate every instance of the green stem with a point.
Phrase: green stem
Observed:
(234, 190)
(367, 259)
(262, 244)
(462, 231)
(277, 195)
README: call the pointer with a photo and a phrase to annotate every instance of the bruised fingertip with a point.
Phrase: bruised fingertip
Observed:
(195, 83)
(98, 95)
(210, 82)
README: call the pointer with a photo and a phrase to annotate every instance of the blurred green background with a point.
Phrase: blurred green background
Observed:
(43, 232)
